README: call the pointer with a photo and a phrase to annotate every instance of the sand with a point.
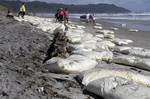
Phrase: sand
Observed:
(22, 76)
(140, 38)
(22, 50)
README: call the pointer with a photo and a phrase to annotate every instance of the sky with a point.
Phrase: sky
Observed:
(134, 5)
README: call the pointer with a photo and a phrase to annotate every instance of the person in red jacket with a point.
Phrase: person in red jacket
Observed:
(61, 15)
(66, 18)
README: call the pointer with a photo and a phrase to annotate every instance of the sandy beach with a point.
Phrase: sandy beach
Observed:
(22, 50)
(140, 38)
(24, 44)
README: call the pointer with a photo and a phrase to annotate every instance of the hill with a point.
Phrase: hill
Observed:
(37, 6)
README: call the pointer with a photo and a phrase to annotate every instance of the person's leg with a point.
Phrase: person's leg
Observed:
(23, 14)
(19, 14)
(64, 19)
(67, 19)
(94, 22)
(56, 17)
(61, 18)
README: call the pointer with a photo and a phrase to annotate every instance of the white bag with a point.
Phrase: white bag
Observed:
(87, 36)
(106, 45)
(72, 64)
(135, 51)
(132, 61)
(99, 73)
(121, 42)
(105, 31)
(98, 27)
(118, 88)
(104, 55)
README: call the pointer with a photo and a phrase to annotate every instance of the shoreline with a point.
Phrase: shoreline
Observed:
(140, 38)
(96, 51)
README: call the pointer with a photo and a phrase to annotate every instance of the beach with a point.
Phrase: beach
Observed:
(22, 50)
(98, 66)
(140, 38)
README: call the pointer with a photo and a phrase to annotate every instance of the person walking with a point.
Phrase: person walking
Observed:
(61, 15)
(56, 15)
(66, 16)
(87, 17)
(22, 10)
(92, 18)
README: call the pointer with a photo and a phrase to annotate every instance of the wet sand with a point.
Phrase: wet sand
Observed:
(22, 50)
(140, 38)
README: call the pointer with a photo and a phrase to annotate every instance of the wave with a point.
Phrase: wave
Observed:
(120, 16)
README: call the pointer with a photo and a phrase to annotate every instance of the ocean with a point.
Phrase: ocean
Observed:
(139, 21)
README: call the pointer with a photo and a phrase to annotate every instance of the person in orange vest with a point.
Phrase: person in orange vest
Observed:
(22, 10)
(66, 16)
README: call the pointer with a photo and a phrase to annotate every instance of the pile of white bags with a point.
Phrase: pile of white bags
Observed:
(118, 88)
(104, 55)
(86, 36)
(75, 36)
(98, 24)
(121, 42)
(108, 83)
(105, 45)
(101, 36)
(98, 27)
(72, 64)
(107, 33)
(133, 30)
(141, 63)
(116, 83)
(88, 45)
(81, 27)
(45, 24)
(122, 49)
(135, 51)
(114, 28)
(99, 73)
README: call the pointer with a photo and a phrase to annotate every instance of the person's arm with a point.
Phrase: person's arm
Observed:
(24, 8)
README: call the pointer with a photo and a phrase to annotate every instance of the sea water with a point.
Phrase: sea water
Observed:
(139, 21)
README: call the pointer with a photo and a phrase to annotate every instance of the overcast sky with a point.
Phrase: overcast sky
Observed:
(136, 5)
